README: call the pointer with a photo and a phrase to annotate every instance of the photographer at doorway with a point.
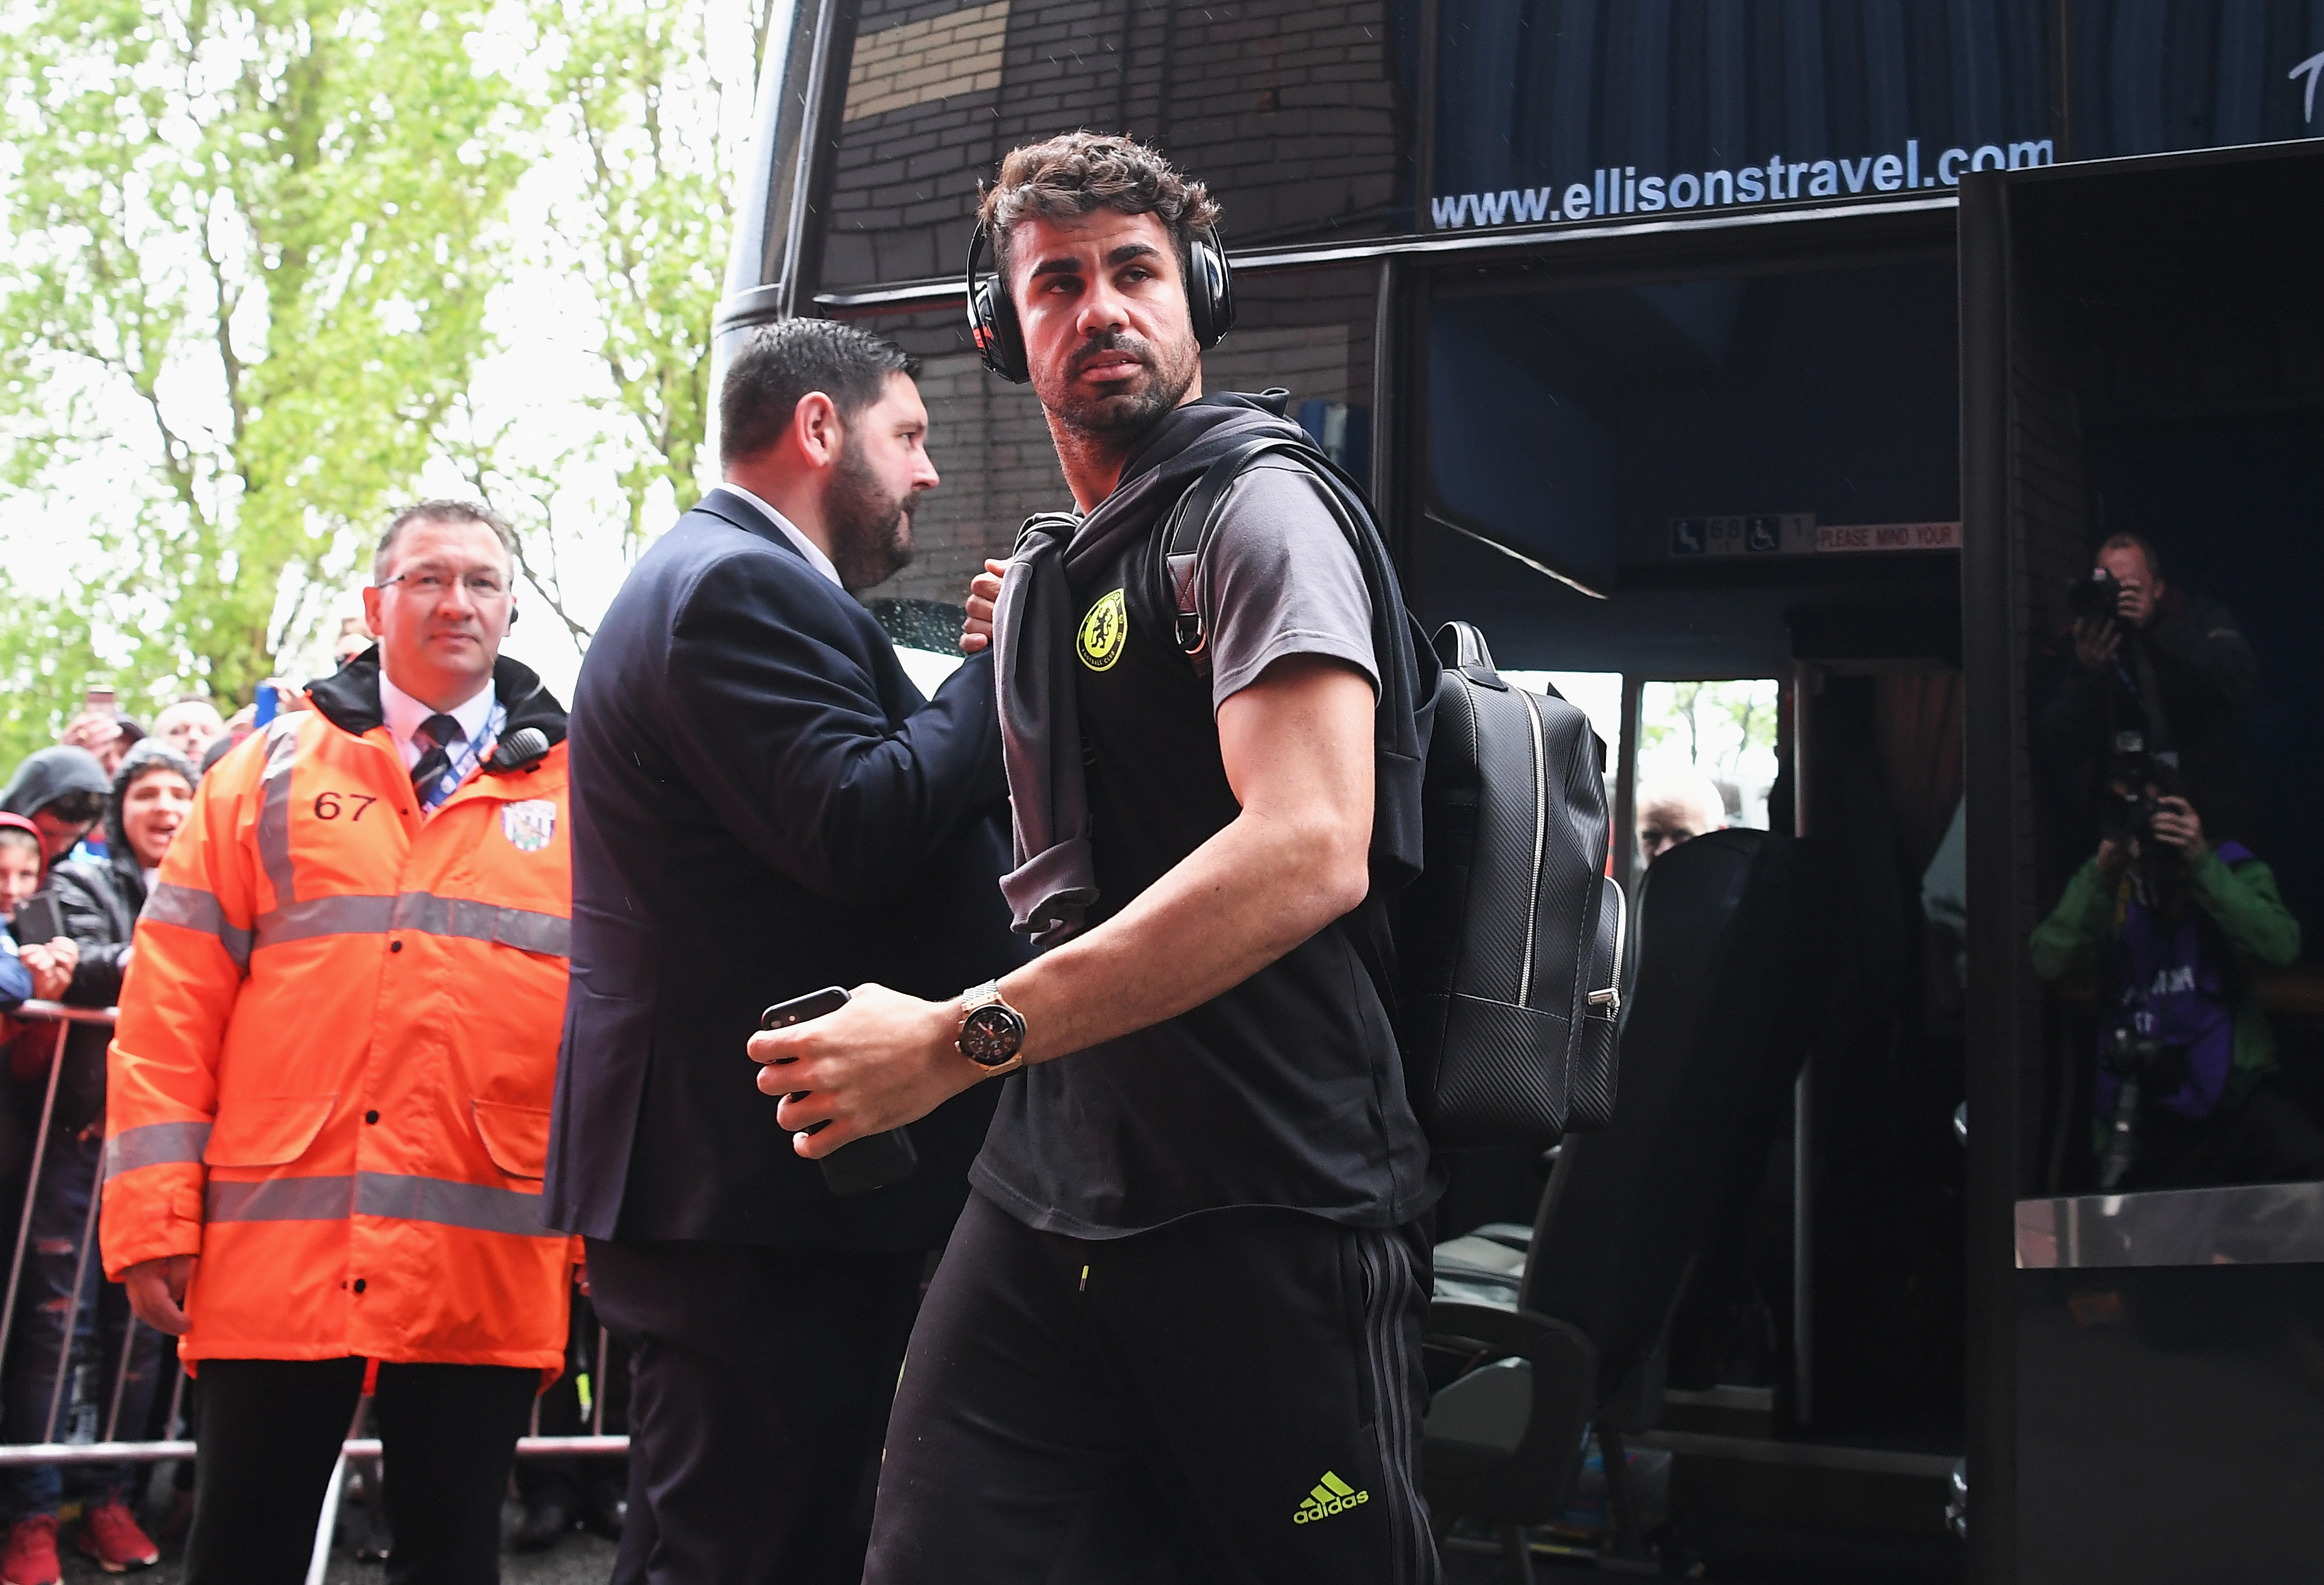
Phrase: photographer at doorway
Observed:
(2172, 926)
(2173, 668)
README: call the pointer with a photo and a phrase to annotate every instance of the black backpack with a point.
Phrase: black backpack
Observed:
(1509, 943)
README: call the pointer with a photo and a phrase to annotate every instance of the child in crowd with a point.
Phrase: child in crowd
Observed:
(20, 877)
(20, 862)
(46, 967)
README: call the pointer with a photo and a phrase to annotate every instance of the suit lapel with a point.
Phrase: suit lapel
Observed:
(731, 509)
(898, 696)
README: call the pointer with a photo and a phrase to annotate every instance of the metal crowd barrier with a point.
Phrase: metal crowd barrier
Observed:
(108, 1449)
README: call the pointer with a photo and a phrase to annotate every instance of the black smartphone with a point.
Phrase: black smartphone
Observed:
(871, 1163)
(39, 920)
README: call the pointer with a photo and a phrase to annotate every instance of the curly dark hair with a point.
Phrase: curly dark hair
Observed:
(1075, 172)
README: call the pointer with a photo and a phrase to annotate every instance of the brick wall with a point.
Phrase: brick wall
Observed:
(1290, 111)
(914, 63)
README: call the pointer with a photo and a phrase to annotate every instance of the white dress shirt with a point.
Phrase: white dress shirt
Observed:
(806, 546)
(404, 714)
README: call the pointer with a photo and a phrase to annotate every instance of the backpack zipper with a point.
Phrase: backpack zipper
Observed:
(1540, 840)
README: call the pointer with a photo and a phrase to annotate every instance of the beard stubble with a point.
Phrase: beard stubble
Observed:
(871, 529)
(1120, 416)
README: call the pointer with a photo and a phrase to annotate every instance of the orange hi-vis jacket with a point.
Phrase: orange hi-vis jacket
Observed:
(337, 1042)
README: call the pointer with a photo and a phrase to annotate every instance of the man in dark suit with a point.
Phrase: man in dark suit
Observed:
(764, 805)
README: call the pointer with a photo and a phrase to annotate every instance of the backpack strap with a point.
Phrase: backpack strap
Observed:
(1408, 679)
(1195, 523)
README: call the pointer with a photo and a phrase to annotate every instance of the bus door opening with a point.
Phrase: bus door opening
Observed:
(1727, 495)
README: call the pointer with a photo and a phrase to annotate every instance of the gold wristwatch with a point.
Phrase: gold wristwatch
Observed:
(992, 1031)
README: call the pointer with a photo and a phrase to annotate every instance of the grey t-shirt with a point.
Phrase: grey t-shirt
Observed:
(1280, 579)
(1286, 1090)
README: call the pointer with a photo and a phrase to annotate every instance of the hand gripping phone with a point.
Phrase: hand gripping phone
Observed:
(873, 1162)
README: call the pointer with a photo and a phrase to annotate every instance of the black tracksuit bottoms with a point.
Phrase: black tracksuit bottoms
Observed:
(270, 1430)
(1235, 1398)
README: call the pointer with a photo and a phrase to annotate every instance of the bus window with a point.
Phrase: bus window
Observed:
(1290, 112)
(1719, 733)
(2177, 874)
(1596, 694)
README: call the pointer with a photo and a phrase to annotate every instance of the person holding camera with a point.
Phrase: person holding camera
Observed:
(2172, 924)
(2170, 667)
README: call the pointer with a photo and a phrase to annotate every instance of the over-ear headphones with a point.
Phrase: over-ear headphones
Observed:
(992, 312)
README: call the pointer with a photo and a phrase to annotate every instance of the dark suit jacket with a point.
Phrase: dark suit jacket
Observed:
(762, 805)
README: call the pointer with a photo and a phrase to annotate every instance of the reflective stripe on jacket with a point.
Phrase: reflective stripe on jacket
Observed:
(338, 1043)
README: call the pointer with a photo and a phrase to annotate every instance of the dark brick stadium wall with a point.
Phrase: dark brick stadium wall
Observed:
(1291, 111)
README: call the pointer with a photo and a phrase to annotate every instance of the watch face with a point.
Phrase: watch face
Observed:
(991, 1035)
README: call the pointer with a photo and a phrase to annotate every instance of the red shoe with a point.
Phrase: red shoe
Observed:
(30, 1556)
(109, 1532)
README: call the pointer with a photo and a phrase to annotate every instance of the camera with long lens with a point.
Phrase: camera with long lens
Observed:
(2141, 1061)
(2094, 598)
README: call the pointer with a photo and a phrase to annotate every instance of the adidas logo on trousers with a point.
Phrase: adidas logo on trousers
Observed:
(1331, 1496)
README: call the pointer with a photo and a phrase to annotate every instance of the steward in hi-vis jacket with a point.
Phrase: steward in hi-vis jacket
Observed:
(331, 1078)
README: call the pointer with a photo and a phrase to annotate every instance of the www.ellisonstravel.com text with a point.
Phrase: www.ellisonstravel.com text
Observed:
(1623, 191)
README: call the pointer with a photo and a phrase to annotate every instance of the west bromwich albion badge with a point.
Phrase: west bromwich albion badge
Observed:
(529, 824)
(1103, 631)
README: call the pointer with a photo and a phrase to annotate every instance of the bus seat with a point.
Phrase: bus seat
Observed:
(1569, 1333)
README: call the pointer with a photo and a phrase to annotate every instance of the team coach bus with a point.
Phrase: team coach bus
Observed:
(1824, 350)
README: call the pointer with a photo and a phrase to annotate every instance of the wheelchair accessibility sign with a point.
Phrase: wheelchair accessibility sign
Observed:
(1798, 533)
(1762, 533)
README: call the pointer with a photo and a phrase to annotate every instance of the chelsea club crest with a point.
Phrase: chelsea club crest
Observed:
(529, 824)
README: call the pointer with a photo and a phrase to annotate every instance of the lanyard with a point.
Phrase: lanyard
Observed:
(471, 753)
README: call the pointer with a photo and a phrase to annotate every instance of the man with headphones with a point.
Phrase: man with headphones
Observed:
(1177, 1332)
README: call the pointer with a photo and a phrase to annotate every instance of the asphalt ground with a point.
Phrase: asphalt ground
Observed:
(580, 1559)
(584, 1558)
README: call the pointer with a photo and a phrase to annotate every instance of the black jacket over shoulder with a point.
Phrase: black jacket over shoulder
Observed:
(99, 900)
(762, 805)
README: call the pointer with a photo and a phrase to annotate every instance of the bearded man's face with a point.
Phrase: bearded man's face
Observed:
(1101, 300)
(882, 470)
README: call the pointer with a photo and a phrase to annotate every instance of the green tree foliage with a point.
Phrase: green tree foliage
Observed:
(647, 104)
(1710, 725)
(248, 251)
(46, 660)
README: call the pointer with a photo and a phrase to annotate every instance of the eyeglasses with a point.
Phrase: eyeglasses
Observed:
(433, 584)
